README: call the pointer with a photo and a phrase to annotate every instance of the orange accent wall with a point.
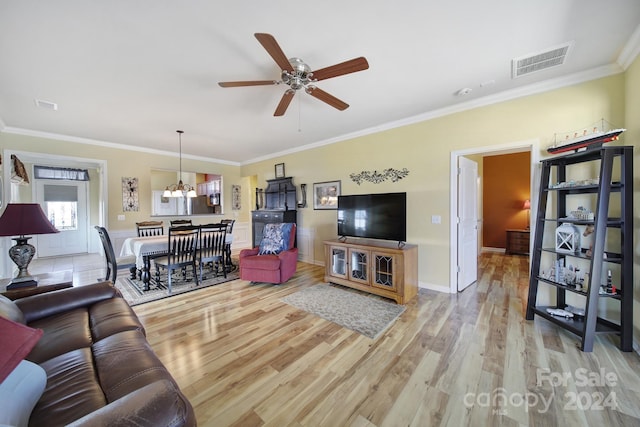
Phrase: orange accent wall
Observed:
(505, 186)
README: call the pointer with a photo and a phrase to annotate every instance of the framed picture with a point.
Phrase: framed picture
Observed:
(280, 170)
(325, 195)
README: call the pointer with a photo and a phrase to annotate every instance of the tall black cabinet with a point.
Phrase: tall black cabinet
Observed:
(276, 203)
(601, 268)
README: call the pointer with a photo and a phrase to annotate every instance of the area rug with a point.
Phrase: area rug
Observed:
(366, 314)
(135, 297)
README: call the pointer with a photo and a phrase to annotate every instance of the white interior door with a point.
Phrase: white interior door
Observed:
(467, 222)
(65, 204)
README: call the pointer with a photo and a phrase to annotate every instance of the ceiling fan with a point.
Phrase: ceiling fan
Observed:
(298, 75)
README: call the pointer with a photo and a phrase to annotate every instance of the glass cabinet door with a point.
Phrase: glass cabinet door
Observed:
(383, 270)
(339, 262)
(359, 265)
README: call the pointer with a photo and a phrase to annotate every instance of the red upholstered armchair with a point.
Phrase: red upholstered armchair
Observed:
(270, 268)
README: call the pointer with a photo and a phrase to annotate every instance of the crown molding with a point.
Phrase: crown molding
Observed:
(631, 50)
(88, 141)
(508, 95)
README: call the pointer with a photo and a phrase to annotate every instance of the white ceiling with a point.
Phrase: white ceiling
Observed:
(133, 71)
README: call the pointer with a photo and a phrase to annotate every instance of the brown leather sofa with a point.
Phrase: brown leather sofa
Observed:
(100, 368)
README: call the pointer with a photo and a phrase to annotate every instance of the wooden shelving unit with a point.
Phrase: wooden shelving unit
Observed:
(610, 232)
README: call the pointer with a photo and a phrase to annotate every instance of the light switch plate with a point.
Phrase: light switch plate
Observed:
(436, 219)
(120, 217)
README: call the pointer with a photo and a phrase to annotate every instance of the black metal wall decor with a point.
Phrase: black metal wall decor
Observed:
(130, 194)
(376, 177)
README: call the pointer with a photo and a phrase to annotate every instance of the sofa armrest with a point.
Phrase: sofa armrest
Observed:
(157, 404)
(249, 252)
(290, 255)
(43, 305)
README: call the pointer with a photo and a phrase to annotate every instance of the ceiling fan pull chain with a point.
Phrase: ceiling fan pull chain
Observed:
(299, 116)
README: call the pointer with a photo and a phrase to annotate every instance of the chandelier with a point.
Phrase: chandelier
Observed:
(180, 189)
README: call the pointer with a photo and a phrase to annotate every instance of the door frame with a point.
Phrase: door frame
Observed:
(64, 161)
(532, 146)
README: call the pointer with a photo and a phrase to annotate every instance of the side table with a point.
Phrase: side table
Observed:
(517, 242)
(47, 282)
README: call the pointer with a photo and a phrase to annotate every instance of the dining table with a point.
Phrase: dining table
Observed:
(145, 249)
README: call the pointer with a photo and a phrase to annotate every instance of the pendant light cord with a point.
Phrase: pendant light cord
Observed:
(180, 132)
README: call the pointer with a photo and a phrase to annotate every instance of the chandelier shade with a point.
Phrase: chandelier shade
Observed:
(180, 189)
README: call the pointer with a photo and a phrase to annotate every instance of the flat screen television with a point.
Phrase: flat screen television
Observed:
(375, 216)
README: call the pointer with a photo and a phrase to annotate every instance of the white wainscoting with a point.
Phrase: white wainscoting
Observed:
(241, 236)
(305, 245)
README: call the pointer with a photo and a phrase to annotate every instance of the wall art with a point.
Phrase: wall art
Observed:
(376, 177)
(236, 197)
(325, 195)
(130, 194)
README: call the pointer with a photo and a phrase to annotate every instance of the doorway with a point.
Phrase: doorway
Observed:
(97, 202)
(65, 205)
(515, 147)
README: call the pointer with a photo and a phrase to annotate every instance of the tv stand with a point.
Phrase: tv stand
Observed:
(375, 266)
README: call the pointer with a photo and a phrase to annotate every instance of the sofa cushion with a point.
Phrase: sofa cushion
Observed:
(275, 238)
(16, 341)
(125, 362)
(112, 316)
(72, 391)
(19, 393)
(63, 332)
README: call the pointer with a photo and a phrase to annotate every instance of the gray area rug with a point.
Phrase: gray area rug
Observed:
(366, 314)
(135, 297)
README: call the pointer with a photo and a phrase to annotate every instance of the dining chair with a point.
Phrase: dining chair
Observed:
(150, 228)
(211, 250)
(228, 242)
(181, 253)
(113, 263)
(179, 222)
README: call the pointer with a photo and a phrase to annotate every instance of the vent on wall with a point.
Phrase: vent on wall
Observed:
(539, 61)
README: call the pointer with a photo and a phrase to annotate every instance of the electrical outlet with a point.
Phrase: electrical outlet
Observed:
(120, 217)
(436, 219)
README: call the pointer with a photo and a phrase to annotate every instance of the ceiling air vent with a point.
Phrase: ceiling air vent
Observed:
(47, 105)
(539, 61)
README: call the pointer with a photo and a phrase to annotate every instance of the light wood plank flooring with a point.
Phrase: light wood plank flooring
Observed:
(244, 358)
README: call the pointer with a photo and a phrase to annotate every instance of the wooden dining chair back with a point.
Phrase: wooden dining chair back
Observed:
(113, 262)
(229, 223)
(181, 253)
(211, 250)
(229, 240)
(180, 222)
(150, 228)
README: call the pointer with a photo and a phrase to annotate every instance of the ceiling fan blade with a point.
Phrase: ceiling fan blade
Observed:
(248, 83)
(347, 67)
(326, 97)
(273, 48)
(284, 102)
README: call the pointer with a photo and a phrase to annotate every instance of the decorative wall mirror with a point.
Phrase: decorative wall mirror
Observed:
(208, 188)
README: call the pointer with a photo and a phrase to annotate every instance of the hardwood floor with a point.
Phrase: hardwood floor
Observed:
(244, 358)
